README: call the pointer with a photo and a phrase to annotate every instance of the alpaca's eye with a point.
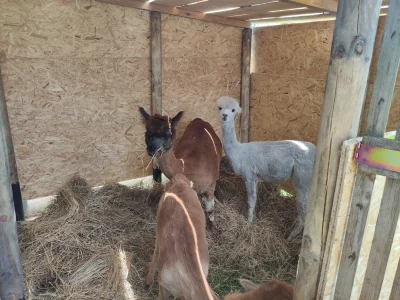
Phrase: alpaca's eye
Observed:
(219, 108)
(233, 110)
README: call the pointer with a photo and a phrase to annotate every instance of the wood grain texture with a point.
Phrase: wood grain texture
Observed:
(14, 179)
(11, 280)
(359, 208)
(245, 85)
(156, 62)
(395, 293)
(386, 74)
(352, 47)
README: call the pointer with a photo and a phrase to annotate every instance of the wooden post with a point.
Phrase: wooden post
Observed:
(156, 73)
(383, 238)
(382, 97)
(245, 85)
(11, 281)
(19, 209)
(388, 65)
(352, 48)
(395, 293)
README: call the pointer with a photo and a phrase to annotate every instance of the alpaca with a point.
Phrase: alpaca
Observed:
(271, 161)
(197, 155)
(181, 249)
(273, 290)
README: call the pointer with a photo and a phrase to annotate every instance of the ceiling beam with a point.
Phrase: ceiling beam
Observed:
(179, 12)
(329, 5)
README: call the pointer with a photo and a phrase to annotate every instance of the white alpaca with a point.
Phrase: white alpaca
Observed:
(271, 161)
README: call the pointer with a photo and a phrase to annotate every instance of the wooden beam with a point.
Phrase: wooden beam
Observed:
(387, 67)
(17, 196)
(352, 47)
(395, 293)
(245, 85)
(329, 5)
(156, 62)
(156, 74)
(382, 243)
(11, 281)
(178, 12)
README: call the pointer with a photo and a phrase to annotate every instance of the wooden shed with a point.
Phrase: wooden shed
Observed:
(73, 74)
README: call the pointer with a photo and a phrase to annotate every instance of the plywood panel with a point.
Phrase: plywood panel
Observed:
(284, 107)
(200, 64)
(292, 53)
(76, 115)
(56, 28)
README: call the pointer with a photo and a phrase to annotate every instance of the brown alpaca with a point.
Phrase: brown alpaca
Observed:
(197, 155)
(273, 290)
(181, 248)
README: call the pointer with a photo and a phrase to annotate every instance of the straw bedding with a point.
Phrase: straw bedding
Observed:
(96, 244)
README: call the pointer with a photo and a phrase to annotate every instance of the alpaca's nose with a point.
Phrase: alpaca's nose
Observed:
(224, 115)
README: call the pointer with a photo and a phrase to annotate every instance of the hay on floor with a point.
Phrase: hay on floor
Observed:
(97, 244)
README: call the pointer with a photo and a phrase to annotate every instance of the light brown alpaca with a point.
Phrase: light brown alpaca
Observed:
(197, 155)
(273, 290)
(181, 248)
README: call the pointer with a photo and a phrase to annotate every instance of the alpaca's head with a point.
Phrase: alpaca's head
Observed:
(160, 131)
(227, 108)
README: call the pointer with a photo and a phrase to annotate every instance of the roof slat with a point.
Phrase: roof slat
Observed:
(264, 8)
(295, 14)
(212, 5)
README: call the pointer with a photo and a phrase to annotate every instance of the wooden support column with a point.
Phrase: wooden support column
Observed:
(382, 96)
(11, 280)
(19, 209)
(156, 73)
(385, 230)
(395, 293)
(352, 48)
(245, 85)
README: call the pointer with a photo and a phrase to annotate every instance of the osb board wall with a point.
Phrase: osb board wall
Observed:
(289, 70)
(75, 73)
(201, 62)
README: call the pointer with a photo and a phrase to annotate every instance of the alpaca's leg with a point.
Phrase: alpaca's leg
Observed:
(163, 293)
(251, 187)
(152, 267)
(296, 230)
(209, 204)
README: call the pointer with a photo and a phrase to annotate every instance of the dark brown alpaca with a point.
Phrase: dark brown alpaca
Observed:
(197, 155)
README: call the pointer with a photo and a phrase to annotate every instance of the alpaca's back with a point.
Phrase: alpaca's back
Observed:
(201, 150)
(273, 160)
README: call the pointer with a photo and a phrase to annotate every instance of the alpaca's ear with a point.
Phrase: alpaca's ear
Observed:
(248, 285)
(176, 119)
(144, 113)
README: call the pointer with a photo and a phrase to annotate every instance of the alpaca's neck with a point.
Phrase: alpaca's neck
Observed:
(229, 138)
(169, 164)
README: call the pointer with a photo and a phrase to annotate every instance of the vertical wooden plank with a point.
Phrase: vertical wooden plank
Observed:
(395, 293)
(245, 85)
(19, 209)
(11, 281)
(352, 47)
(156, 63)
(387, 68)
(385, 230)
(156, 73)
